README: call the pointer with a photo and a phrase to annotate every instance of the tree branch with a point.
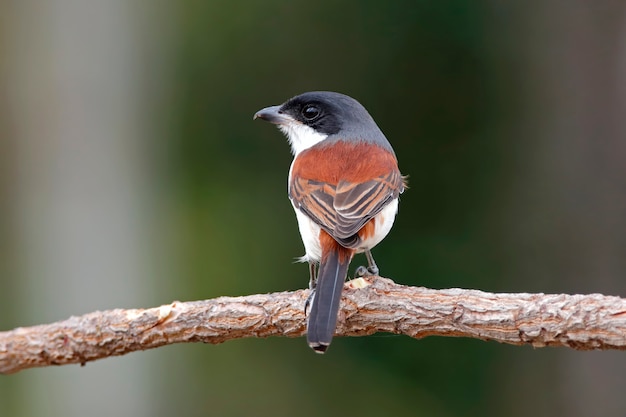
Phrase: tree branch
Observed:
(369, 305)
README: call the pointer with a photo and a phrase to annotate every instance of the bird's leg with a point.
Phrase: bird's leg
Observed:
(312, 275)
(372, 268)
(312, 285)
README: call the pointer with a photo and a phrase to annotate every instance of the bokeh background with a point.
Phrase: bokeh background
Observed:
(132, 174)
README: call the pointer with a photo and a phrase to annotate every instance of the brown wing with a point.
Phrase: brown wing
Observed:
(341, 194)
(357, 203)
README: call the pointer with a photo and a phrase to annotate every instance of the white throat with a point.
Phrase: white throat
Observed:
(301, 136)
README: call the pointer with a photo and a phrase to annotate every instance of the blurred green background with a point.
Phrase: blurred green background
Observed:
(132, 174)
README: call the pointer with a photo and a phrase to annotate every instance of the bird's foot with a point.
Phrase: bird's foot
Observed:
(363, 271)
(308, 301)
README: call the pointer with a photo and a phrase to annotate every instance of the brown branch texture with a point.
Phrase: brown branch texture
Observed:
(370, 305)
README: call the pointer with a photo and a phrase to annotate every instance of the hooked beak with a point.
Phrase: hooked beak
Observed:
(273, 115)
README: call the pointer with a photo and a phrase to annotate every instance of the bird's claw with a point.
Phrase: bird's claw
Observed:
(308, 301)
(363, 271)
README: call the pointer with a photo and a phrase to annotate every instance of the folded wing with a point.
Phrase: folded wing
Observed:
(342, 203)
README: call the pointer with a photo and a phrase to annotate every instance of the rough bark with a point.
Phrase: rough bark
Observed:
(371, 305)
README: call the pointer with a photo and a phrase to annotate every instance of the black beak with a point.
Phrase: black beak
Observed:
(273, 115)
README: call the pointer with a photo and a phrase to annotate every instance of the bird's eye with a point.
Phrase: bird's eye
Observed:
(310, 112)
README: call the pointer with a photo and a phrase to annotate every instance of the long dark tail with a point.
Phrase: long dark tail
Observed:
(323, 315)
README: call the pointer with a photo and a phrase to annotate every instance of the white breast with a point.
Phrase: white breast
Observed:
(301, 136)
(310, 232)
(383, 221)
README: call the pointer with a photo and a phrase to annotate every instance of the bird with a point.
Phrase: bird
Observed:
(344, 184)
